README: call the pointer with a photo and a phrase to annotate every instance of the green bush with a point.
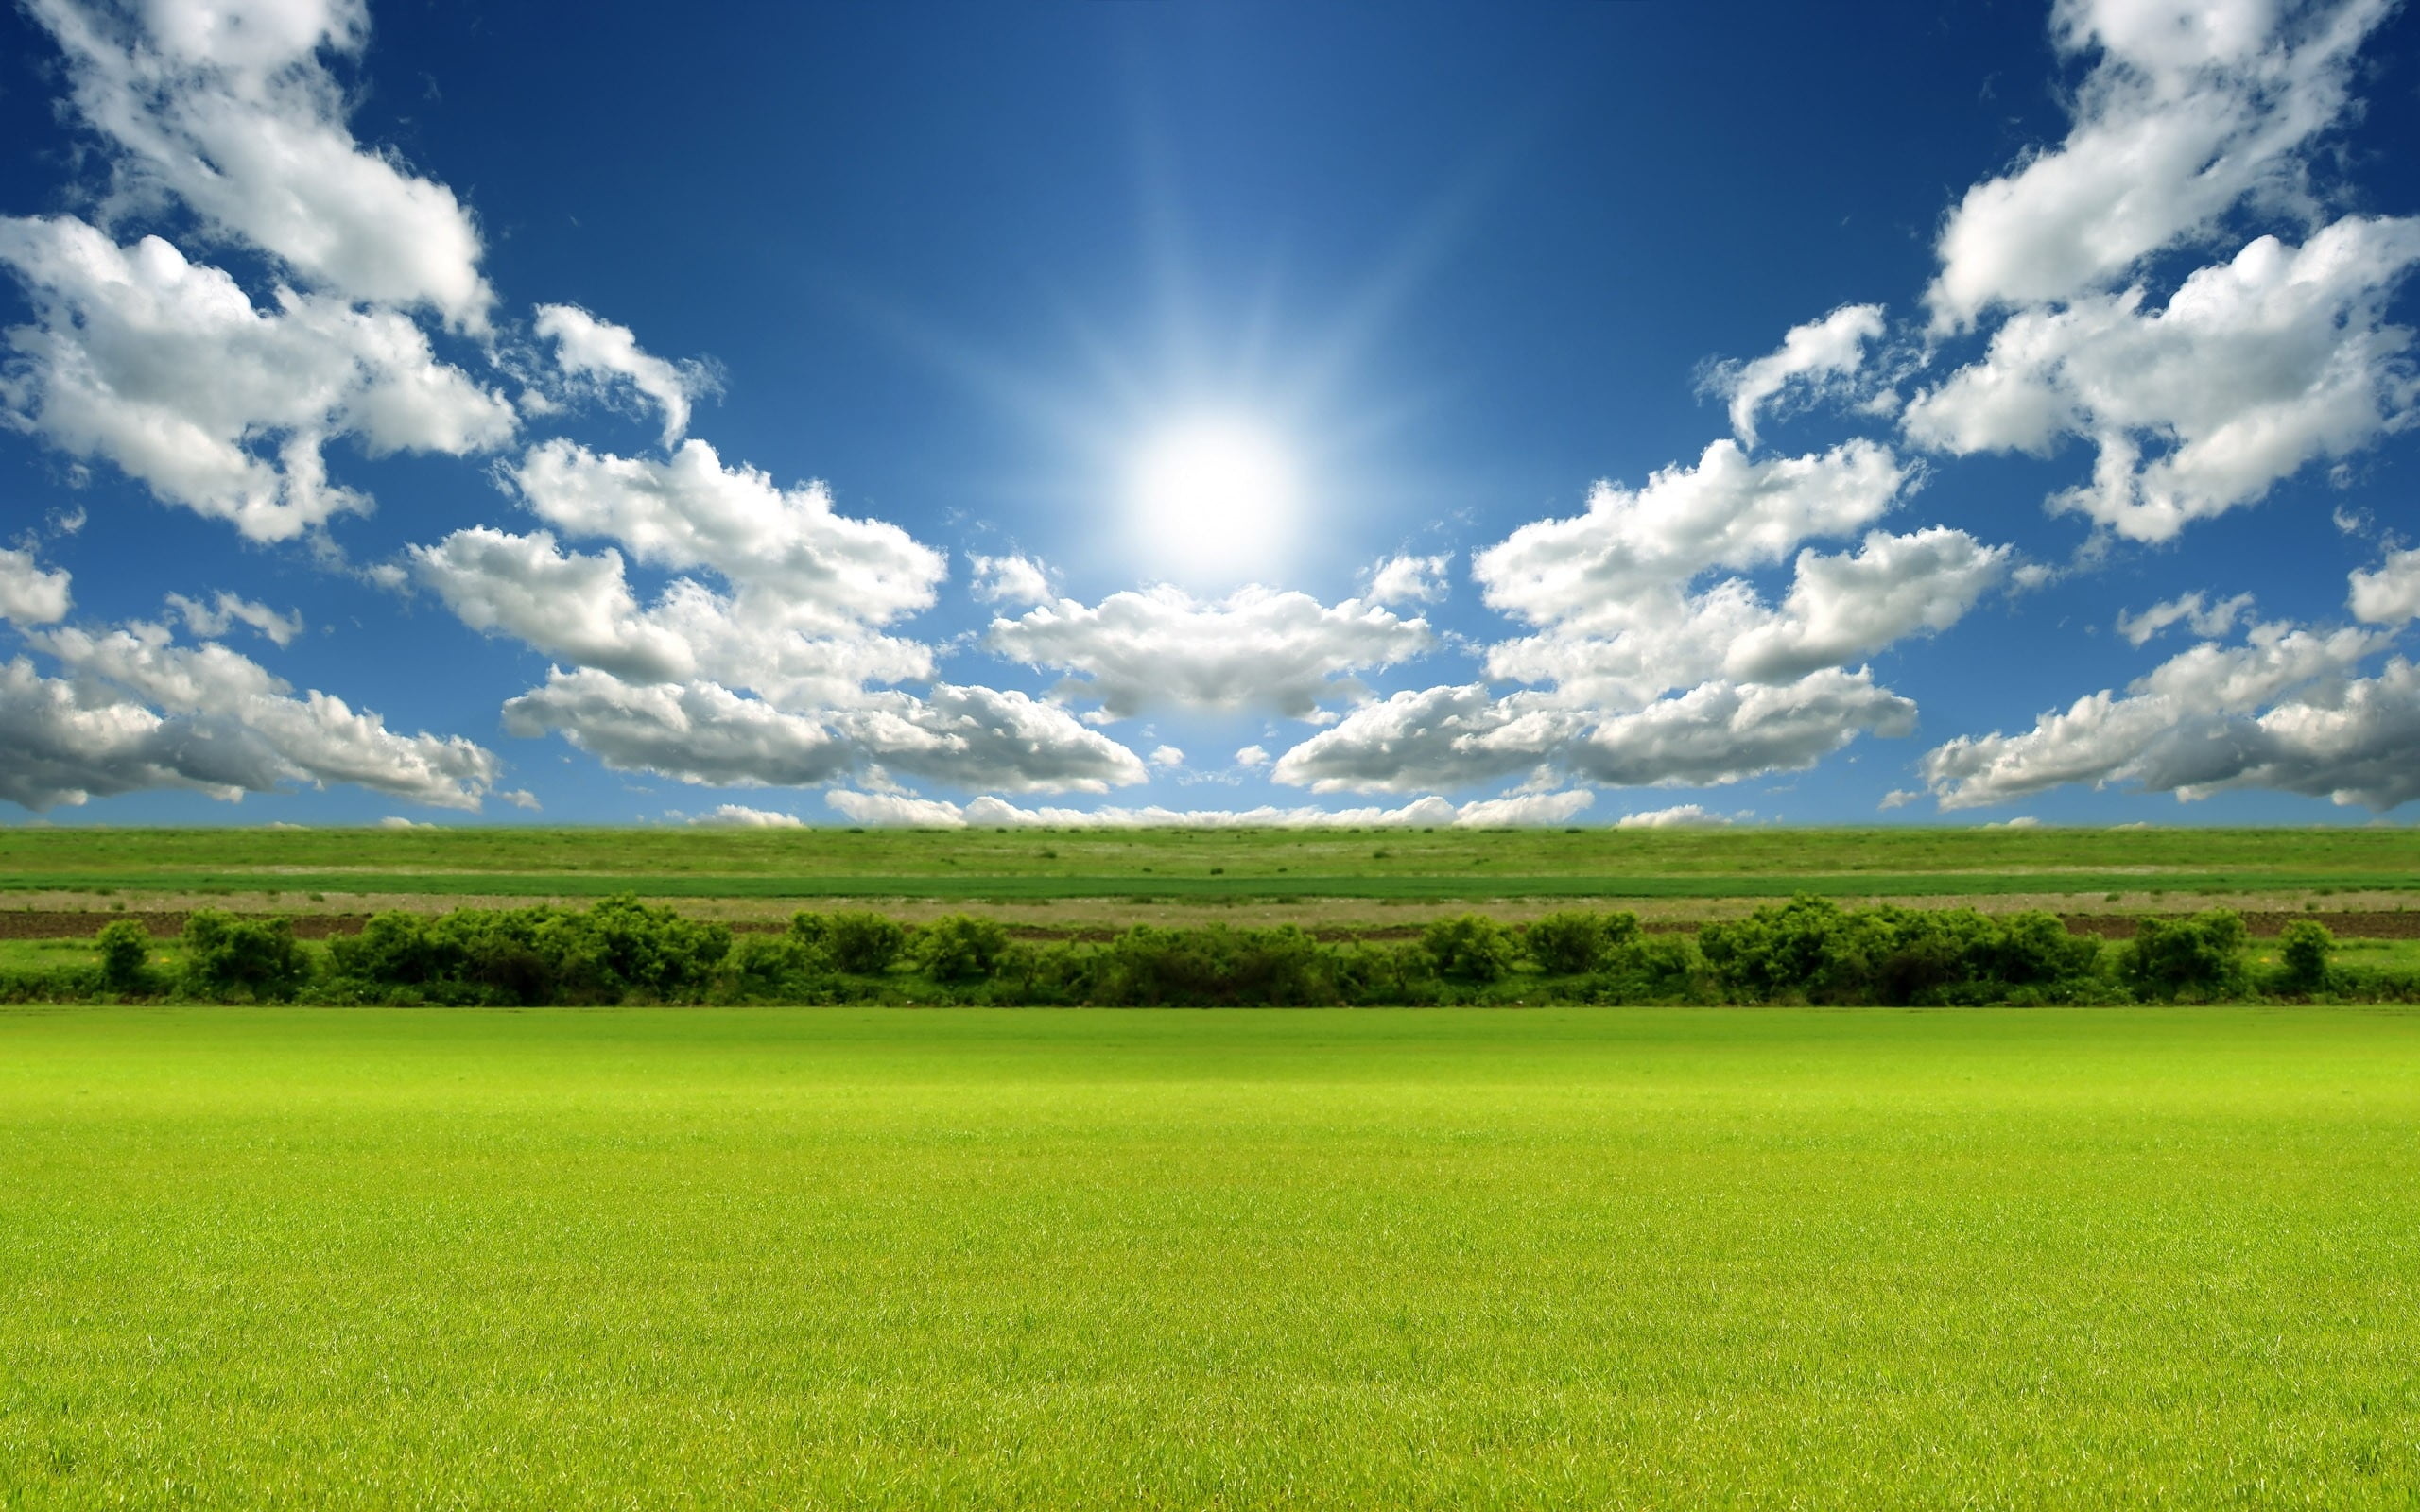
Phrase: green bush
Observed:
(2303, 950)
(2200, 957)
(1812, 951)
(243, 960)
(618, 950)
(862, 944)
(1571, 943)
(1469, 947)
(126, 958)
(1213, 966)
(958, 947)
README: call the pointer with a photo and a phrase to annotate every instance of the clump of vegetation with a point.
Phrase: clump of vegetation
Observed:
(1471, 948)
(125, 949)
(2303, 949)
(1812, 951)
(2196, 959)
(620, 951)
(958, 947)
(232, 959)
(1574, 943)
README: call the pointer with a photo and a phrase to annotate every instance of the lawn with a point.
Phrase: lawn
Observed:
(784, 1258)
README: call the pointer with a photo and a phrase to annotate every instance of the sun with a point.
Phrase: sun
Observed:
(1213, 501)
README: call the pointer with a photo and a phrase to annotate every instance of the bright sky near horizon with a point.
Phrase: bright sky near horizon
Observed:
(1209, 413)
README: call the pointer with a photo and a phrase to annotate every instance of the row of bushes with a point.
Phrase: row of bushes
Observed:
(1807, 951)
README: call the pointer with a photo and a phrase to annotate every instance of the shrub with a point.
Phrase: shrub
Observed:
(1572, 942)
(1214, 966)
(126, 957)
(958, 948)
(1811, 950)
(531, 956)
(246, 959)
(2196, 957)
(862, 944)
(1469, 947)
(2303, 949)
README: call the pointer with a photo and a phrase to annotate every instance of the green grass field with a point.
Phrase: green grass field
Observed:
(335, 1258)
(1209, 864)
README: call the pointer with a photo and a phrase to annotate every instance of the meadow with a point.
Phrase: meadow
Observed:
(1206, 864)
(2141, 1257)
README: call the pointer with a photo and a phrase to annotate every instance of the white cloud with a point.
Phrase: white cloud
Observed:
(138, 711)
(1411, 579)
(689, 512)
(1684, 816)
(1431, 811)
(30, 593)
(2194, 610)
(601, 352)
(1842, 607)
(1257, 649)
(1166, 756)
(740, 816)
(2284, 711)
(1726, 511)
(2256, 368)
(166, 368)
(396, 821)
(1812, 356)
(1724, 733)
(228, 107)
(1251, 758)
(704, 732)
(1013, 579)
(2022, 821)
(1714, 733)
(1898, 798)
(226, 610)
(2190, 108)
(2388, 594)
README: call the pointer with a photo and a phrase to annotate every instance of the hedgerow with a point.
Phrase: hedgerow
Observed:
(1809, 951)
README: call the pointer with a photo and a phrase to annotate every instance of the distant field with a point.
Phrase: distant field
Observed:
(1198, 865)
(356, 1258)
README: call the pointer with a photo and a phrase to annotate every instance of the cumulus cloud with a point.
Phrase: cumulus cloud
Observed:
(2388, 594)
(1680, 817)
(1843, 606)
(1167, 757)
(1409, 579)
(1162, 647)
(2189, 108)
(1011, 579)
(706, 733)
(29, 592)
(690, 511)
(226, 610)
(740, 816)
(2194, 610)
(1430, 812)
(137, 711)
(606, 354)
(2283, 710)
(2255, 368)
(229, 109)
(1251, 758)
(1725, 511)
(166, 368)
(1813, 357)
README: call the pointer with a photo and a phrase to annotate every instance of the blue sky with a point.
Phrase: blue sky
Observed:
(1104, 413)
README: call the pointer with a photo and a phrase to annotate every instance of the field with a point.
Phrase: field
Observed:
(1208, 866)
(772, 1258)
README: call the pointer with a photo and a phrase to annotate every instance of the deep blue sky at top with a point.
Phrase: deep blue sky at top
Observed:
(1467, 259)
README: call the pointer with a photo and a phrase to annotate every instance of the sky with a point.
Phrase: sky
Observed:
(1096, 414)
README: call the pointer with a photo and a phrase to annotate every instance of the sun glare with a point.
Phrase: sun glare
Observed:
(1213, 500)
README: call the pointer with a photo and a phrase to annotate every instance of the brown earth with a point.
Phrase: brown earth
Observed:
(28, 923)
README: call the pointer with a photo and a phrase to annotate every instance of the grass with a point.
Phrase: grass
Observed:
(1194, 864)
(1377, 1259)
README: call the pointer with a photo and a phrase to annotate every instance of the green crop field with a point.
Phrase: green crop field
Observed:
(1027, 864)
(840, 1258)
